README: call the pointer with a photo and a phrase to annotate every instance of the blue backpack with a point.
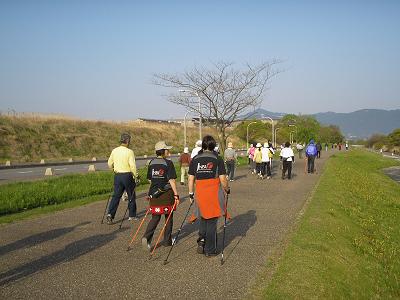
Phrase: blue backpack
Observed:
(311, 150)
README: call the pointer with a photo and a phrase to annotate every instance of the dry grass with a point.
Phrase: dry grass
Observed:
(30, 138)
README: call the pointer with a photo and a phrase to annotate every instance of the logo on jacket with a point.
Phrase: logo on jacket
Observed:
(159, 172)
(205, 167)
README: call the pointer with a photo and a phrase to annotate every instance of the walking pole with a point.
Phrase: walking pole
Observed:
(223, 236)
(137, 231)
(162, 231)
(105, 209)
(177, 235)
(305, 165)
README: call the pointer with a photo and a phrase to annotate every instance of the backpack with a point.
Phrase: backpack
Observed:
(311, 150)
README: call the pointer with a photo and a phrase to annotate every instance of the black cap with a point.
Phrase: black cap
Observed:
(125, 138)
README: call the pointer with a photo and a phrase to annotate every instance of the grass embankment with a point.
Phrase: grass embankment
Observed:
(347, 244)
(25, 199)
(28, 139)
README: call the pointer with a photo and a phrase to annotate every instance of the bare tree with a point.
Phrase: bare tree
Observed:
(225, 92)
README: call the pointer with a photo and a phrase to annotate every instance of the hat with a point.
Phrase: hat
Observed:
(125, 138)
(230, 145)
(199, 143)
(266, 145)
(161, 145)
(186, 150)
(258, 145)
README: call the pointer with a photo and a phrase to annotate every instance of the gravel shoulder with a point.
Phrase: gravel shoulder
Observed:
(70, 255)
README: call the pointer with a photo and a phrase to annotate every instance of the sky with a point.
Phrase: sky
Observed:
(96, 59)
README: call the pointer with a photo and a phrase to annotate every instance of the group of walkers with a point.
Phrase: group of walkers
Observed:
(207, 183)
(207, 187)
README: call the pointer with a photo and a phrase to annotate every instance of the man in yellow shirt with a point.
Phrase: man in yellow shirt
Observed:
(122, 161)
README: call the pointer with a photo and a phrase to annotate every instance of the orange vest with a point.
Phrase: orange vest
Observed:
(208, 198)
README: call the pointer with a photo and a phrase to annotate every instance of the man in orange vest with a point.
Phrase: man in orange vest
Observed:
(208, 175)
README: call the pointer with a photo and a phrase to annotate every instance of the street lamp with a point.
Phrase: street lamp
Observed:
(292, 125)
(274, 142)
(247, 136)
(272, 122)
(184, 129)
(200, 114)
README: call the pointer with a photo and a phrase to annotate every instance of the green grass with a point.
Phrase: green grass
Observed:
(25, 199)
(347, 245)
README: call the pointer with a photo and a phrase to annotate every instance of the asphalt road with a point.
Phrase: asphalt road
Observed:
(22, 174)
(70, 255)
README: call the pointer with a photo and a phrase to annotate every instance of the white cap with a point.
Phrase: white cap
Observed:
(199, 143)
(186, 150)
(266, 145)
(258, 145)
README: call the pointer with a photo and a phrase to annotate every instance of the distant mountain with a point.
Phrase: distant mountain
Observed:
(362, 123)
(261, 113)
(358, 124)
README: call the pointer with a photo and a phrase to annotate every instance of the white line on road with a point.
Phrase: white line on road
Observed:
(25, 172)
(62, 169)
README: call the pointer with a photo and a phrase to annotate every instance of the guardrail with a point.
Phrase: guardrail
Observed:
(66, 163)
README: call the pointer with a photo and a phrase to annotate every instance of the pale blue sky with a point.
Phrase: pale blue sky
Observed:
(95, 59)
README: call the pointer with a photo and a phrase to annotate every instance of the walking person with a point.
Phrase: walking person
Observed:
(319, 149)
(207, 174)
(311, 153)
(230, 158)
(184, 161)
(300, 149)
(258, 160)
(196, 149)
(287, 158)
(271, 153)
(122, 161)
(162, 194)
(265, 161)
(326, 147)
(250, 152)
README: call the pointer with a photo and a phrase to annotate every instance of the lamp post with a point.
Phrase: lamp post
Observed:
(200, 114)
(184, 129)
(247, 136)
(276, 130)
(291, 125)
(272, 123)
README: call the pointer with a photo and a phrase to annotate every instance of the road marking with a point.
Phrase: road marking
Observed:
(25, 172)
(62, 169)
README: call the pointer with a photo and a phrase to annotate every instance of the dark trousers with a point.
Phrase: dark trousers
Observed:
(266, 168)
(319, 154)
(123, 182)
(287, 166)
(259, 168)
(153, 225)
(230, 166)
(208, 233)
(310, 163)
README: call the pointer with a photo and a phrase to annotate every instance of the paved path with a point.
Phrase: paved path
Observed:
(69, 255)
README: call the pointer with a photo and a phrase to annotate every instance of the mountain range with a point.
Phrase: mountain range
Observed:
(358, 124)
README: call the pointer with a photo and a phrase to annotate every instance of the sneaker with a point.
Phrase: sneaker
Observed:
(200, 247)
(109, 219)
(268, 177)
(145, 244)
(133, 219)
(182, 183)
(231, 180)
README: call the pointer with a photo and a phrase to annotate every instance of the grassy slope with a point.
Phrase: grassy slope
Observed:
(31, 139)
(347, 244)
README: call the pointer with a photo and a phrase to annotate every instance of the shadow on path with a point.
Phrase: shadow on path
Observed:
(38, 238)
(237, 227)
(69, 253)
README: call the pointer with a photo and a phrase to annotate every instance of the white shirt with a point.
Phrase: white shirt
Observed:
(195, 151)
(264, 153)
(287, 153)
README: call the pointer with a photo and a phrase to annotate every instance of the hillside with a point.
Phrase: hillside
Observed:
(363, 123)
(27, 139)
(358, 124)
